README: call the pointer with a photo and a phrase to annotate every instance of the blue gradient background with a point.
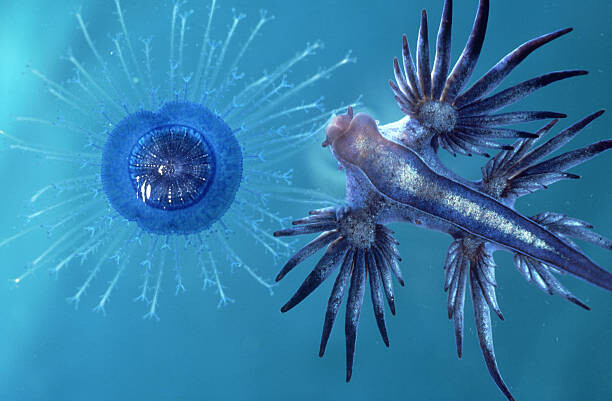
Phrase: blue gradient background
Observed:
(548, 349)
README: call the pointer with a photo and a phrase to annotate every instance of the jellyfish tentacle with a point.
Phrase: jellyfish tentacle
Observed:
(181, 156)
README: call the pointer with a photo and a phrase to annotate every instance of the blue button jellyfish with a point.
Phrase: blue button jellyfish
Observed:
(173, 160)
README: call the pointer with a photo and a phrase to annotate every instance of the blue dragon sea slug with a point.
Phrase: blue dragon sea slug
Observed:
(393, 173)
(170, 157)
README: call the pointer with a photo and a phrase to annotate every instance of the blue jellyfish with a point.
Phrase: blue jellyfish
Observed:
(172, 165)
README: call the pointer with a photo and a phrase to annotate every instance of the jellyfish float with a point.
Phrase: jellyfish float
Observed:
(171, 159)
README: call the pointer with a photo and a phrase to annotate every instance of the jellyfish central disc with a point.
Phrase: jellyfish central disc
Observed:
(171, 167)
(173, 171)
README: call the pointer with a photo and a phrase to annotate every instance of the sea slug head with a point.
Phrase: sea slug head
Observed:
(350, 136)
(338, 127)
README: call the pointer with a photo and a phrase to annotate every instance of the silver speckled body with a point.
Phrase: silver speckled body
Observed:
(394, 183)
(393, 173)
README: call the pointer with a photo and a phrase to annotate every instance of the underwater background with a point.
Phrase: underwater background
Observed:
(547, 348)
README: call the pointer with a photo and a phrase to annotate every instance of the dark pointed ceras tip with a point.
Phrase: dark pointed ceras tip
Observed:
(500, 71)
(443, 51)
(353, 309)
(578, 302)
(423, 71)
(386, 278)
(335, 298)
(376, 294)
(485, 335)
(308, 250)
(327, 264)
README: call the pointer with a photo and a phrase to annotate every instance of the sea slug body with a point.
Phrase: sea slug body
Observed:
(393, 173)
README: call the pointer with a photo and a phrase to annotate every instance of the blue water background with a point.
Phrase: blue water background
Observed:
(548, 349)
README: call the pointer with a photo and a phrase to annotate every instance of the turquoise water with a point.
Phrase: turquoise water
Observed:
(547, 348)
